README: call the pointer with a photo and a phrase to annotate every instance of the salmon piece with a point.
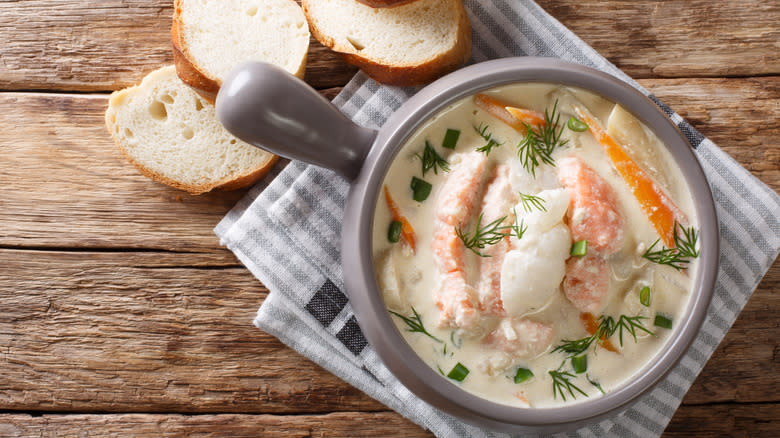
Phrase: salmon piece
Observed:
(593, 209)
(456, 302)
(520, 337)
(455, 298)
(499, 196)
(586, 283)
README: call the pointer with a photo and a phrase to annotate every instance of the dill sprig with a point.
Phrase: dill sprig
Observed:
(415, 324)
(540, 141)
(482, 130)
(630, 324)
(430, 159)
(530, 202)
(606, 328)
(519, 228)
(562, 384)
(594, 383)
(679, 256)
(483, 236)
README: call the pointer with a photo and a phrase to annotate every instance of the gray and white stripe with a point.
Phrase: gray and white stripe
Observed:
(287, 233)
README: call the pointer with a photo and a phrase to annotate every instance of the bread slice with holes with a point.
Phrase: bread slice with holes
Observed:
(210, 37)
(173, 136)
(411, 44)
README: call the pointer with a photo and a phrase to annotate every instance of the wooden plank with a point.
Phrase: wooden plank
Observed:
(109, 44)
(726, 420)
(744, 367)
(62, 180)
(678, 38)
(727, 115)
(63, 183)
(148, 332)
(99, 45)
(690, 421)
(379, 424)
(161, 332)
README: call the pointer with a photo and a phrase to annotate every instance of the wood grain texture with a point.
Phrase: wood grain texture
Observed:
(757, 420)
(148, 332)
(162, 332)
(62, 180)
(347, 424)
(678, 38)
(99, 45)
(63, 183)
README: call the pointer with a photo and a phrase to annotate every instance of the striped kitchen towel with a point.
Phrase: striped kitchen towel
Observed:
(287, 233)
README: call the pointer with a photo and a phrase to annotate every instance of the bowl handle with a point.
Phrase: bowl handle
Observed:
(268, 107)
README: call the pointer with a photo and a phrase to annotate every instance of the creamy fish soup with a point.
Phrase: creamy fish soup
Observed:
(535, 244)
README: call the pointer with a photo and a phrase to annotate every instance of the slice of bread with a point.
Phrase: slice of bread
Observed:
(210, 37)
(411, 44)
(385, 3)
(173, 136)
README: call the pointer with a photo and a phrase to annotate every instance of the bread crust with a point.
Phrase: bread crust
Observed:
(385, 3)
(206, 86)
(403, 75)
(227, 183)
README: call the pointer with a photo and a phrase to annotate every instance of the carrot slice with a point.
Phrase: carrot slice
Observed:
(657, 205)
(407, 232)
(591, 325)
(514, 117)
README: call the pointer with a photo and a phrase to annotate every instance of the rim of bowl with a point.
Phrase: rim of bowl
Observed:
(361, 283)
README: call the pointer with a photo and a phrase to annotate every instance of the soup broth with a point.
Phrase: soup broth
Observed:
(525, 257)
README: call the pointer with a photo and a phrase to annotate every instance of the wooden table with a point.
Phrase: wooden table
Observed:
(121, 313)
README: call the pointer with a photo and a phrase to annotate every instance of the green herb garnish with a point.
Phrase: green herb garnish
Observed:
(540, 141)
(421, 189)
(394, 231)
(458, 373)
(452, 339)
(644, 296)
(415, 324)
(530, 202)
(482, 130)
(594, 383)
(579, 363)
(562, 384)
(579, 248)
(662, 321)
(631, 324)
(519, 228)
(679, 256)
(576, 124)
(450, 139)
(430, 159)
(483, 236)
(606, 328)
(522, 375)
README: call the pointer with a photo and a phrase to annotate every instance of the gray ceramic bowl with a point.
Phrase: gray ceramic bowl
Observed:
(263, 105)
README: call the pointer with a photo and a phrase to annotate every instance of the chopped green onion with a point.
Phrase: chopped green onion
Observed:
(394, 232)
(579, 248)
(421, 189)
(458, 373)
(440, 370)
(450, 139)
(644, 296)
(522, 375)
(579, 363)
(662, 321)
(576, 124)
